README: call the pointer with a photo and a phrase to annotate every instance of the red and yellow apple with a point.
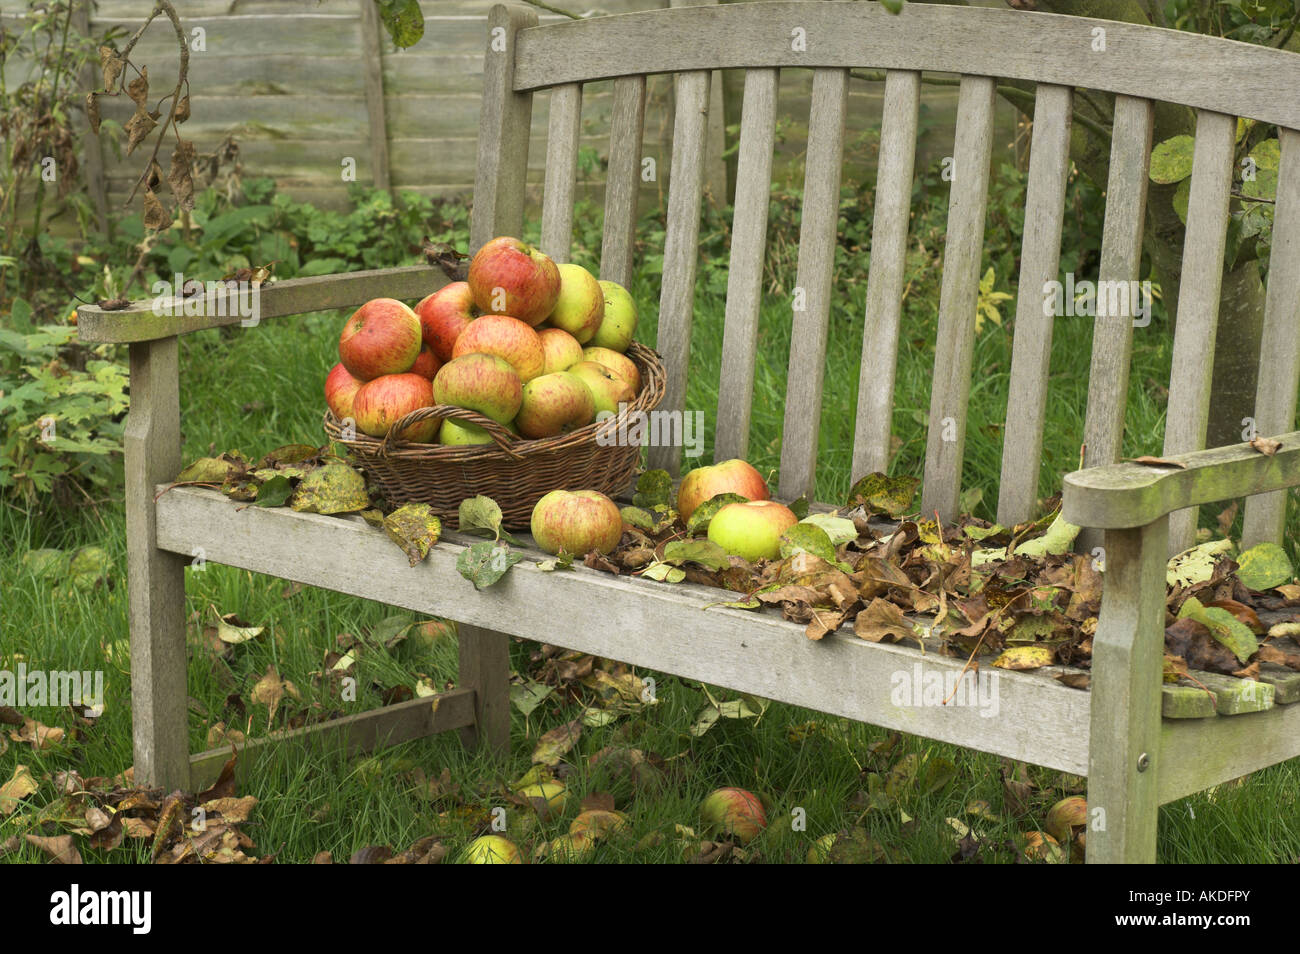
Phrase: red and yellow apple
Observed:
(382, 401)
(730, 477)
(381, 337)
(340, 389)
(735, 811)
(617, 362)
(505, 337)
(581, 305)
(576, 522)
(444, 315)
(560, 350)
(554, 404)
(426, 363)
(480, 382)
(752, 530)
(618, 327)
(607, 389)
(510, 277)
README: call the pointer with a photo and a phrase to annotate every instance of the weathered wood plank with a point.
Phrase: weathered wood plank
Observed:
(485, 668)
(1198, 753)
(155, 578)
(92, 153)
(642, 623)
(623, 179)
(1040, 258)
(1131, 495)
(142, 322)
(346, 735)
(1187, 702)
(1279, 363)
(1236, 696)
(1124, 759)
(503, 132)
(959, 291)
(373, 73)
(1138, 60)
(1121, 258)
(681, 249)
(1285, 683)
(745, 266)
(561, 170)
(1198, 299)
(885, 279)
(811, 299)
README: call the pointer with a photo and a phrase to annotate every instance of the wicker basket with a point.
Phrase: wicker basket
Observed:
(514, 472)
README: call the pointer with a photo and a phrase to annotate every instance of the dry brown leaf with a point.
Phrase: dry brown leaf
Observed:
(1149, 461)
(20, 785)
(37, 735)
(882, 620)
(61, 848)
(1266, 445)
(554, 745)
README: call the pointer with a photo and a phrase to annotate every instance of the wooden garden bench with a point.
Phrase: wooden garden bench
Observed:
(1113, 733)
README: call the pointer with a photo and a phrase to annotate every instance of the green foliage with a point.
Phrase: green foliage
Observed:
(61, 406)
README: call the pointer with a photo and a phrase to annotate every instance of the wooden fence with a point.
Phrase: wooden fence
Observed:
(305, 86)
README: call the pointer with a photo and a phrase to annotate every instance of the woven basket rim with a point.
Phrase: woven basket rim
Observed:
(367, 448)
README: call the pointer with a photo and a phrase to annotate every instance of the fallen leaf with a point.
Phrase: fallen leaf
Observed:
(1148, 461)
(20, 785)
(1266, 445)
(555, 744)
(61, 848)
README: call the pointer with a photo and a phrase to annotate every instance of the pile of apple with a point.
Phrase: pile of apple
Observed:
(535, 346)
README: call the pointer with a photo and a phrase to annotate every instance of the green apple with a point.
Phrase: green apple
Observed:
(492, 850)
(458, 433)
(554, 404)
(577, 522)
(617, 362)
(581, 306)
(480, 382)
(752, 530)
(608, 390)
(618, 327)
(733, 476)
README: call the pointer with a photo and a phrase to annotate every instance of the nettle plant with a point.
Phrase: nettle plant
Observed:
(40, 57)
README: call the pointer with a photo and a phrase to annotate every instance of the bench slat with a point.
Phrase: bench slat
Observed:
(817, 241)
(885, 278)
(958, 295)
(1121, 257)
(504, 121)
(745, 273)
(565, 124)
(1040, 259)
(623, 179)
(1198, 299)
(681, 248)
(1279, 366)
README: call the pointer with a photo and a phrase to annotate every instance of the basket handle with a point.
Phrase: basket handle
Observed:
(500, 436)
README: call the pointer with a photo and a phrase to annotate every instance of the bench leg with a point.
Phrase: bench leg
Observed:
(155, 579)
(485, 668)
(1127, 660)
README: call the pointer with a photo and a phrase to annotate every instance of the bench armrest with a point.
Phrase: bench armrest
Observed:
(1133, 495)
(153, 319)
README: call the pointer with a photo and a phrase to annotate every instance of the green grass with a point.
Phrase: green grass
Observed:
(257, 388)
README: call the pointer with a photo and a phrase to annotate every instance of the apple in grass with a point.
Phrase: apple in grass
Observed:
(510, 277)
(581, 306)
(340, 389)
(426, 364)
(617, 362)
(607, 389)
(560, 350)
(752, 530)
(618, 326)
(492, 850)
(444, 315)
(736, 812)
(382, 337)
(382, 401)
(730, 477)
(507, 338)
(480, 382)
(576, 522)
(555, 404)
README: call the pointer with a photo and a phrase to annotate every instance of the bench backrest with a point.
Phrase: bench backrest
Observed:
(1140, 65)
